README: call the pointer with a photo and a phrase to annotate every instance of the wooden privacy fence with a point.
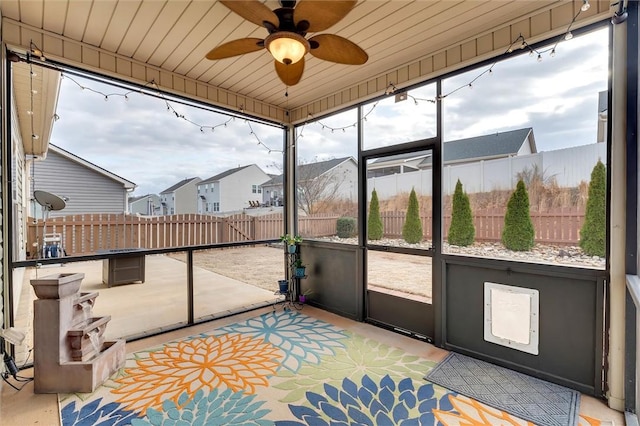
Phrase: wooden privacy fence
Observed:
(556, 226)
(91, 233)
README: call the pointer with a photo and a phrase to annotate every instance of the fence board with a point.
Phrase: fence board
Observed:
(90, 233)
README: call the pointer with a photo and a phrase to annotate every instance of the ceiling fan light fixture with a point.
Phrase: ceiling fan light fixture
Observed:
(286, 47)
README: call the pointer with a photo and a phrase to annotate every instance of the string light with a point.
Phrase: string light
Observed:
(390, 89)
(520, 42)
(170, 108)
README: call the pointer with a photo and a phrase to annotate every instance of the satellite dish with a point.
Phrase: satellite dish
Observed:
(49, 201)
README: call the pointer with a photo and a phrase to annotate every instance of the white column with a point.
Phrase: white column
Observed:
(618, 189)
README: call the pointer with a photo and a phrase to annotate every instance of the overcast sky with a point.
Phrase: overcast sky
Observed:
(140, 140)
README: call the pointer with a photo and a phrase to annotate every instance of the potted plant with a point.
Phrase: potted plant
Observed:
(299, 268)
(302, 298)
(291, 241)
(283, 286)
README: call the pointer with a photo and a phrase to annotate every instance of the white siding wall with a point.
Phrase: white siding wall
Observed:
(146, 206)
(187, 198)
(87, 190)
(347, 174)
(236, 189)
(569, 166)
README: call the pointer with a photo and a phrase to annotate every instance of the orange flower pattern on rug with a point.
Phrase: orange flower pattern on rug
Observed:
(230, 361)
(473, 413)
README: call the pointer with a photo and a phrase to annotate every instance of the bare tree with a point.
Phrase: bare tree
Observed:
(318, 183)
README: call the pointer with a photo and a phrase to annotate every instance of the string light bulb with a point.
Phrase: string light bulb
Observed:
(568, 36)
(585, 5)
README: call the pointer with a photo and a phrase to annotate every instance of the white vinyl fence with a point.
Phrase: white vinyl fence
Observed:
(569, 166)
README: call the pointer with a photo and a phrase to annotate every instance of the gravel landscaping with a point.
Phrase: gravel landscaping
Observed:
(263, 266)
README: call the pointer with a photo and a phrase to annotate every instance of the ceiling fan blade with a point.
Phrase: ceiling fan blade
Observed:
(290, 74)
(337, 49)
(252, 10)
(323, 14)
(235, 48)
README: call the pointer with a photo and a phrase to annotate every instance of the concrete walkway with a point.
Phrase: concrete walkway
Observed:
(158, 304)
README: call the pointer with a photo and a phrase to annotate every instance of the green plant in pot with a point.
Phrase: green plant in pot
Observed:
(291, 241)
(299, 268)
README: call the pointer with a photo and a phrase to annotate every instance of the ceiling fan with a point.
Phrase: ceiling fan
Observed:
(287, 27)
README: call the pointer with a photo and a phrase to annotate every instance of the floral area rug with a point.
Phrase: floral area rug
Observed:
(281, 368)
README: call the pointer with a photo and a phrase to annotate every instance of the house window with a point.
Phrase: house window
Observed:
(172, 211)
(206, 208)
(254, 189)
(216, 207)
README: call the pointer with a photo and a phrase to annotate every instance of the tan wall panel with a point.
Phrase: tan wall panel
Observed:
(484, 45)
(107, 62)
(540, 24)
(426, 66)
(178, 83)
(521, 28)
(190, 87)
(440, 61)
(469, 50)
(123, 67)
(53, 45)
(414, 71)
(562, 16)
(454, 56)
(138, 72)
(72, 51)
(91, 57)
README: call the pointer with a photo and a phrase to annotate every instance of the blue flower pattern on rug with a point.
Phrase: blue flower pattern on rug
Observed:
(110, 414)
(376, 400)
(303, 339)
(384, 403)
(217, 408)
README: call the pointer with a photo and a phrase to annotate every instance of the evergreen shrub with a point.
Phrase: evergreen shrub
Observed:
(375, 228)
(347, 227)
(593, 231)
(461, 231)
(518, 232)
(412, 228)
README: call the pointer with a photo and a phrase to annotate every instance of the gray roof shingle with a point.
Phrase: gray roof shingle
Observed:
(310, 170)
(223, 174)
(182, 183)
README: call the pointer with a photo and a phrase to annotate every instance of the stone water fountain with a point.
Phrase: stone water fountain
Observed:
(70, 354)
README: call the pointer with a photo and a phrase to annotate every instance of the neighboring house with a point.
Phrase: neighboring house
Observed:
(180, 198)
(331, 179)
(147, 205)
(231, 190)
(461, 151)
(86, 187)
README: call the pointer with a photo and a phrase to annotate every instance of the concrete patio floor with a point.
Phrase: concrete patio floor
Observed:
(141, 309)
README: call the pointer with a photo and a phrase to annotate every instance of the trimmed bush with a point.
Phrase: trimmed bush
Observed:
(593, 231)
(412, 228)
(347, 227)
(518, 232)
(461, 230)
(375, 229)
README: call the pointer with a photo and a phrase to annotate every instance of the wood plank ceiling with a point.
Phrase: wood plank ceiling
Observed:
(173, 36)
